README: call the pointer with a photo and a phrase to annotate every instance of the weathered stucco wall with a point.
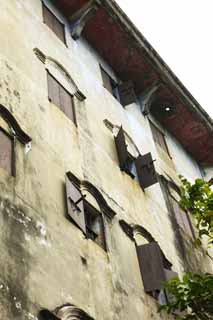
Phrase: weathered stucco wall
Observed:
(45, 260)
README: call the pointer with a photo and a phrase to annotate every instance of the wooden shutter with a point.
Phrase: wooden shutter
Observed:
(151, 266)
(182, 217)
(106, 81)
(126, 93)
(159, 138)
(53, 90)
(66, 103)
(6, 150)
(74, 206)
(59, 30)
(145, 170)
(121, 147)
(169, 274)
(48, 17)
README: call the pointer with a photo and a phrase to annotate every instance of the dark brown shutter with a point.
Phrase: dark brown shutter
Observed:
(59, 29)
(106, 81)
(126, 93)
(151, 266)
(121, 148)
(182, 217)
(74, 206)
(6, 146)
(53, 90)
(145, 170)
(66, 103)
(159, 138)
(48, 17)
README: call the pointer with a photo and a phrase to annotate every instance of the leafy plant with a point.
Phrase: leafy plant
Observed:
(197, 199)
(192, 296)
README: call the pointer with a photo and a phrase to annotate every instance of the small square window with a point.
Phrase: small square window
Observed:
(109, 84)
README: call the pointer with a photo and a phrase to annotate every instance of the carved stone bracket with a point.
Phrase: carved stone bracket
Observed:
(148, 98)
(81, 17)
(12, 122)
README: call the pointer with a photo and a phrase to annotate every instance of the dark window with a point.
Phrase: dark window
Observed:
(53, 23)
(60, 97)
(84, 216)
(159, 138)
(94, 225)
(182, 217)
(123, 92)
(109, 84)
(6, 152)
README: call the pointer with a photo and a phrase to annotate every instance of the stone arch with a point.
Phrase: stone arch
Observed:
(134, 229)
(47, 60)
(14, 125)
(105, 209)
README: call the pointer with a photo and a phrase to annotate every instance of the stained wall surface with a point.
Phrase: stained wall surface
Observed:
(46, 261)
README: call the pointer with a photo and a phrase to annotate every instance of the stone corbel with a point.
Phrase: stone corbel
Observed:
(148, 98)
(81, 17)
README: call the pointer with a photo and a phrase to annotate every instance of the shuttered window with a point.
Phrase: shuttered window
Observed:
(153, 271)
(84, 216)
(60, 97)
(159, 138)
(182, 217)
(6, 152)
(53, 23)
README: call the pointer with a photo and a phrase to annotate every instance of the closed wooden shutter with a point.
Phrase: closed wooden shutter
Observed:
(106, 81)
(151, 266)
(74, 206)
(121, 147)
(159, 138)
(126, 93)
(58, 28)
(53, 23)
(48, 17)
(53, 90)
(6, 151)
(66, 103)
(182, 217)
(145, 170)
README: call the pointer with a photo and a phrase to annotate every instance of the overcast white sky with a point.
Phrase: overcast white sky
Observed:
(182, 33)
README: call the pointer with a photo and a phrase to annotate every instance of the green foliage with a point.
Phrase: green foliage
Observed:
(197, 199)
(192, 296)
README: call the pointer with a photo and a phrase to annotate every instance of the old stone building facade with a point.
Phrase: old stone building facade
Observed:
(94, 130)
